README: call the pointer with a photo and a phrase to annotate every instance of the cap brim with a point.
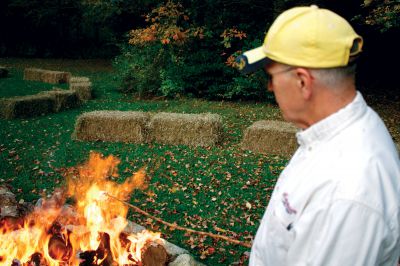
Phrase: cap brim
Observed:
(252, 60)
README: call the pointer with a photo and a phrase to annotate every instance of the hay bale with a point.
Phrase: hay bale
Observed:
(33, 74)
(63, 99)
(83, 90)
(186, 129)
(55, 77)
(6, 108)
(3, 72)
(78, 79)
(26, 106)
(271, 137)
(114, 126)
(47, 76)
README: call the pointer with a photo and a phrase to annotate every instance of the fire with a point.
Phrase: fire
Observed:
(90, 232)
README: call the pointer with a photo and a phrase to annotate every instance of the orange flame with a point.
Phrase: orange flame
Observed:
(82, 227)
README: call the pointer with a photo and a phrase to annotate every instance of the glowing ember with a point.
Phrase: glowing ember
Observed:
(89, 233)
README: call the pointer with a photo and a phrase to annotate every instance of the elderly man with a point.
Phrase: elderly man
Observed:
(337, 201)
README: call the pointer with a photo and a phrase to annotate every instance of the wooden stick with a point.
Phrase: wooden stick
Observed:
(175, 226)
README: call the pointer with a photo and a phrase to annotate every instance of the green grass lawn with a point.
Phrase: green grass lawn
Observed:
(200, 188)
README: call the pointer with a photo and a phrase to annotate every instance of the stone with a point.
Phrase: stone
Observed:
(133, 228)
(185, 260)
(9, 207)
(173, 250)
(8, 203)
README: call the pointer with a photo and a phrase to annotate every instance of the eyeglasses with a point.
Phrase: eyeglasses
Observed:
(269, 76)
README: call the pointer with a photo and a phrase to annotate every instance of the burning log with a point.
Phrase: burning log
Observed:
(37, 260)
(89, 233)
(59, 249)
(101, 256)
(88, 258)
(8, 223)
(155, 255)
(15, 262)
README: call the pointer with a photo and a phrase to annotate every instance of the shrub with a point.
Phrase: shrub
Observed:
(171, 58)
(145, 65)
(139, 70)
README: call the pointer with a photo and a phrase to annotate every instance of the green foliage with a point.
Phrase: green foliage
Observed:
(150, 65)
(139, 70)
(383, 15)
(249, 87)
(183, 48)
(170, 87)
(200, 73)
(171, 57)
(155, 70)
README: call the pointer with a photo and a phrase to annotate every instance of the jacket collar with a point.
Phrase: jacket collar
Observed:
(333, 124)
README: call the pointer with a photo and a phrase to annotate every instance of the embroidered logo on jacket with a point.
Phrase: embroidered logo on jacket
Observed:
(285, 202)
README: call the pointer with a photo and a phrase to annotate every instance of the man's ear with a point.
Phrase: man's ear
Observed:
(305, 82)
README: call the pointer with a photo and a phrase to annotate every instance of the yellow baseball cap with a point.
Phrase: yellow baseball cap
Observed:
(305, 37)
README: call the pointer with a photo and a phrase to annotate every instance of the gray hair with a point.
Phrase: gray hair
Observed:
(333, 77)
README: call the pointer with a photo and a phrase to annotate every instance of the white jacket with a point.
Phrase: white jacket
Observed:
(337, 201)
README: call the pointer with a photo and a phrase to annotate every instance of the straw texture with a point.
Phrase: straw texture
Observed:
(113, 126)
(26, 106)
(47, 76)
(186, 129)
(270, 137)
